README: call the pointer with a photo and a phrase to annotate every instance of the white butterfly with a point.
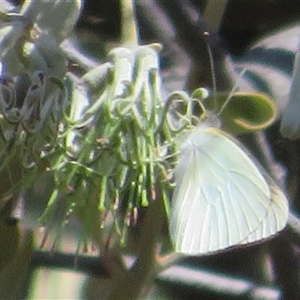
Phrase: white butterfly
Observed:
(222, 198)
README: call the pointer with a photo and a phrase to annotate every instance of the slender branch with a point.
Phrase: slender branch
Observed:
(215, 284)
(87, 264)
(198, 280)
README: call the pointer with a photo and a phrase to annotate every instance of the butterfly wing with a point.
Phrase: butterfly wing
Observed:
(221, 198)
(276, 218)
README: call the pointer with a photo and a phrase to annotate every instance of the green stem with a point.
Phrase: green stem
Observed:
(129, 28)
(130, 284)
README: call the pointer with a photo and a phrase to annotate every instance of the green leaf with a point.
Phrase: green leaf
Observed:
(245, 112)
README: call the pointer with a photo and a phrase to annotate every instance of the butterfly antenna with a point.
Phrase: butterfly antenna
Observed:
(213, 76)
(212, 68)
(233, 90)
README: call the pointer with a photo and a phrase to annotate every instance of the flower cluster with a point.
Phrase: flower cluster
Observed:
(32, 93)
(116, 143)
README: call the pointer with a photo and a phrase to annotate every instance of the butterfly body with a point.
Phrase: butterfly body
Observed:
(222, 197)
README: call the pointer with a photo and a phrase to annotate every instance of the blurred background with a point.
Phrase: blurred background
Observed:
(261, 35)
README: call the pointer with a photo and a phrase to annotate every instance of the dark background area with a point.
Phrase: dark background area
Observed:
(244, 21)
